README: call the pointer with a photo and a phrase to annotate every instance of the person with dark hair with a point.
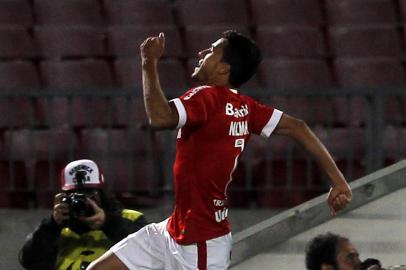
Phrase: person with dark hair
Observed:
(214, 123)
(331, 251)
(84, 222)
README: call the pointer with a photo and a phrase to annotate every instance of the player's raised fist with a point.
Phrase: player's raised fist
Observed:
(153, 47)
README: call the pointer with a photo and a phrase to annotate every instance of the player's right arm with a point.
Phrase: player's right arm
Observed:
(161, 114)
(340, 193)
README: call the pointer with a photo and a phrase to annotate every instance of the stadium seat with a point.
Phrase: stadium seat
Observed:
(137, 174)
(128, 156)
(171, 73)
(14, 185)
(348, 148)
(211, 12)
(18, 76)
(285, 198)
(100, 142)
(286, 12)
(349, 12)
(129, 112)
(16, 43)
(87, 74)
(198, 38)
(68, 12)
(394, 144)
(294, 42)
(402, 10)
(32, 145)
(58, 42)
(78, 112)
(365, 41)
(16, 13)
(138, 13)
(295, 73)
(47, 181)
(371, 72)
(124, 41)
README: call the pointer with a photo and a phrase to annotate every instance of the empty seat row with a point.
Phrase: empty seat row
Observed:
(85, 12)
(87, 73)
(184, 12)
(124, 41)
(274, 73)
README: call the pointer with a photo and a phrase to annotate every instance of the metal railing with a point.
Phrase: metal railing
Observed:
(364, 130)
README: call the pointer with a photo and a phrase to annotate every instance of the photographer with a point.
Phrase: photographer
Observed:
(333, 252)
(84, 223)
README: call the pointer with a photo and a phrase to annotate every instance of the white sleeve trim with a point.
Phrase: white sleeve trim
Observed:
(181, 112)
(272, 123)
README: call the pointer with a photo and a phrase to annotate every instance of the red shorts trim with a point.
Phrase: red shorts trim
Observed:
(202, 255)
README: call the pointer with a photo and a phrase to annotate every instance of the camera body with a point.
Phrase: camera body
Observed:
(78, 205)
(374, 262)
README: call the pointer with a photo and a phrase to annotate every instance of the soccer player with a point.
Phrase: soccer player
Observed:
(214, 123)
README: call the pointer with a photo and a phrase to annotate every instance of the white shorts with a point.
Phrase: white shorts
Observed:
(153, 248)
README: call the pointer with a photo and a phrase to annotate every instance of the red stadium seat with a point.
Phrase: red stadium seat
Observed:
(123, 41)
(77, 112)
(394, 144)
(18, 75)
(348, 148)
(14, 185)
(138, 13)
(68, 12)
(171, 73)
(211, 12)
(349, 12)
(78, 74)
(102, 143)
(294, 42)
(287, 12)
(16, 13)
(371, 72)
(67, 41)
(295, 73)
(16, 43)
(40, 144)
(365, 41)
(129, 112)
(47, 181)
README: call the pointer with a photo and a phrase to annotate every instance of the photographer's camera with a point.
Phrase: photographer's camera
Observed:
(78, 205)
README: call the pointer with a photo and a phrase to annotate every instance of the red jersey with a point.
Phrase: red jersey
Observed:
(215, 124)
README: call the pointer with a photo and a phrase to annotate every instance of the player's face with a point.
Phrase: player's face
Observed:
(210, 64)
(347, 256)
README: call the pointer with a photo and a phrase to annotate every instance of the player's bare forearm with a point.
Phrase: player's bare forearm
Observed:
(159, 113)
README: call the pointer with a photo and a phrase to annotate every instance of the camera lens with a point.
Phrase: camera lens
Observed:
(79, 205)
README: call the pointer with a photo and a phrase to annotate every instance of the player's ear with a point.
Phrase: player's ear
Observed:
(224, 68)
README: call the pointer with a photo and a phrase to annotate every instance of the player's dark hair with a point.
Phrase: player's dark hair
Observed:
(243, 56)
(322, 250)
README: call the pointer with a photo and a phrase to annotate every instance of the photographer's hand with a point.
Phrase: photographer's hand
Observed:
(60, 212)
(97, 220)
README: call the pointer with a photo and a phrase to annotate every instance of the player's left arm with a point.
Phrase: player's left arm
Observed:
(340, 193)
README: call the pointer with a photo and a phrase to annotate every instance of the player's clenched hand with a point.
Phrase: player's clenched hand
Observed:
(60, 212)
(153, 47)
(338, 197)
(97, 220)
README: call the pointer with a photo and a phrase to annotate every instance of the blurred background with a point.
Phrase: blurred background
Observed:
(70, 88)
